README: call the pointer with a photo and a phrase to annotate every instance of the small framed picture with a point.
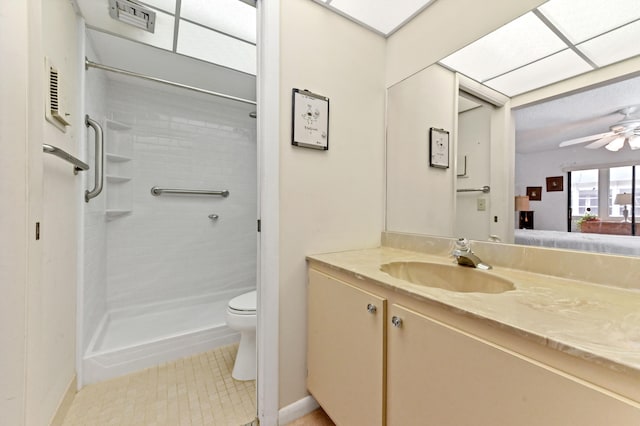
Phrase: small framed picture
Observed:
(310, 120)
(438, 148)
(554, 183)
(534, 193)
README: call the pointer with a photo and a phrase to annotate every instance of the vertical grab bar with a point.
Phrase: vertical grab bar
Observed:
(99, 159)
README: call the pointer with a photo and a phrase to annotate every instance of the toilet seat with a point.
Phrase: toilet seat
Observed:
(245, 304)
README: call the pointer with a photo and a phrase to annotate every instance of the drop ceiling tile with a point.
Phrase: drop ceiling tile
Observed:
(584, 19)
(166, 5)
(229, 16)
(382, 15)
(549, 70)
(515, 44)
(614, 46)
(210, 46)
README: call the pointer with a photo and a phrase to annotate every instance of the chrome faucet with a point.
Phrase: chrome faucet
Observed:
(465, 257)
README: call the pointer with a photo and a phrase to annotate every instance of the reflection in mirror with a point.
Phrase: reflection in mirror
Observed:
(588, 141)
(474, 165)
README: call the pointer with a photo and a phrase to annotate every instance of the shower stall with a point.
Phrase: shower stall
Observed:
(171, 238)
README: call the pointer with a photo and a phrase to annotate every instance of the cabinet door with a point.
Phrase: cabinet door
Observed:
(439, 375)
(345, 352)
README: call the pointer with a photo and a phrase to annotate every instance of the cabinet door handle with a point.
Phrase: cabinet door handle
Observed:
(371, 308)
(396, 321)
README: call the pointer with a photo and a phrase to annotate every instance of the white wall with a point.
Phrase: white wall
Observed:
(420, 198)
(94, 268)
(331, 200)
(14, 224)
(167, 248)
(53, 196)
(474, 142)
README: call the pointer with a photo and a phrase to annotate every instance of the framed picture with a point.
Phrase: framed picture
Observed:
(554, 183)
(310, 121)
(438, 148)
(534, 193)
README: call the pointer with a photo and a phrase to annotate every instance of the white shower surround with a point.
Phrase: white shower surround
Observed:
(169, 270)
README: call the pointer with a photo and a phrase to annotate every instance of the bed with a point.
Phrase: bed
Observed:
(600, 243)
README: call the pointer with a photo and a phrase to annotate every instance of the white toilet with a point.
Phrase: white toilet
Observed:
(241, 316)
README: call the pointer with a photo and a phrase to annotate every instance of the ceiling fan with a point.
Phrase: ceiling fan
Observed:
(627, 129)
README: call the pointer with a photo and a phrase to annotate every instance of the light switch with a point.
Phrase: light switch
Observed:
(482, 204)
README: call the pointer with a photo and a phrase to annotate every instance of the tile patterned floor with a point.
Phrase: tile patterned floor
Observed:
(197, 390)
(315, 418)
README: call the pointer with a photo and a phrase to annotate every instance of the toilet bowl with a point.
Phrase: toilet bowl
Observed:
(241, 316)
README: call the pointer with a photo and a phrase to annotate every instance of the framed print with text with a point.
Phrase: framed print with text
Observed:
(310, 121)
(438, 148)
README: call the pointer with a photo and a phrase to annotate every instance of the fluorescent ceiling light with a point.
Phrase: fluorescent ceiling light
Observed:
(166, 5)
(549, 70)
(210, 46)
(584, 19)
(382, 15)
(616, 144)
(614, 46)
(517, 43)
(231, 17)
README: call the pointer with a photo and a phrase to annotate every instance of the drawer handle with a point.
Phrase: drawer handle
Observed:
(396, 321)
(371, 308)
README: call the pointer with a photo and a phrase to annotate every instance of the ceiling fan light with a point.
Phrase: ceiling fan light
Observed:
(616, 144)
(634, 142)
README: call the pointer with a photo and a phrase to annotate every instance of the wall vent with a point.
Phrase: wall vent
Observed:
(54, 108)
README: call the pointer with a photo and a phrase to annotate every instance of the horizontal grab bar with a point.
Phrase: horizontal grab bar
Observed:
(486, 189)
(158, 191)
(78, 165)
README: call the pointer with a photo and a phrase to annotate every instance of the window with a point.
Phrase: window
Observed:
(595, 192)
(584, 192)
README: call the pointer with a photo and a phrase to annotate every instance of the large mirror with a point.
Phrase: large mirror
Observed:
(505, 140)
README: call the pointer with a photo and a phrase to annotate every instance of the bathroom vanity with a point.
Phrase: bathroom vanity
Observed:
(389, 343)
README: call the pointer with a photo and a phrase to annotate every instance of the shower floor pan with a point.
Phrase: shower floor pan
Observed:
(136, 338)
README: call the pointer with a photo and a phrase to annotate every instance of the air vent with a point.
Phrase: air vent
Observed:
(132, 13)
(54, 107)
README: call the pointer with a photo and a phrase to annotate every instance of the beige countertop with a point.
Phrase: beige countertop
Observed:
(591, 321)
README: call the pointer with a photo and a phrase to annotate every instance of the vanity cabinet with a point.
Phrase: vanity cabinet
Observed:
(412, 362)
(446, 376)
(345, 361)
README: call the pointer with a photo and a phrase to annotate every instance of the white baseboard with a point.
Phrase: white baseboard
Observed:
(65, 403)
(296, 410)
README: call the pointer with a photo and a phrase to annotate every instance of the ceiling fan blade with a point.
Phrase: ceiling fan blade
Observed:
(584, 139)
(602, 142)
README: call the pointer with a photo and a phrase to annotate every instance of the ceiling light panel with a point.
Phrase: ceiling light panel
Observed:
(614, 46)
(166, 5)
(210, 46)
(517, 43)
(382, 15)
(232, 17)
(584, 19)
(546, 71)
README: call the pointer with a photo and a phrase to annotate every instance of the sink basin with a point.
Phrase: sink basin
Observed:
(448, 277)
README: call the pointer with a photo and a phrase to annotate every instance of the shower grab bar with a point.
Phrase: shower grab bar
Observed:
(78, 165)
(158, 191)
(99, 159)
(486, 189)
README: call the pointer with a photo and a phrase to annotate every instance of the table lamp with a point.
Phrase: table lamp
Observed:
(623, 200)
